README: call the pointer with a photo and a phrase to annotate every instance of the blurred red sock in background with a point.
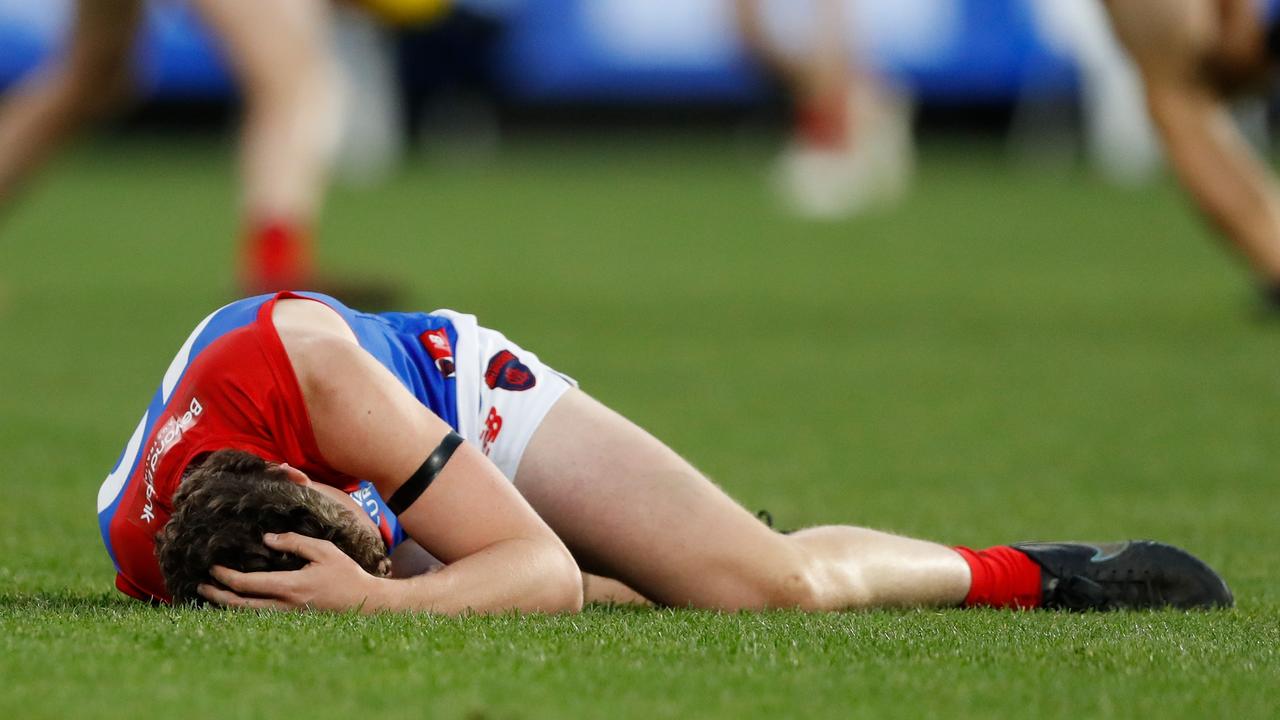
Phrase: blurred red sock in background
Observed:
(822, 121)
(276, 256)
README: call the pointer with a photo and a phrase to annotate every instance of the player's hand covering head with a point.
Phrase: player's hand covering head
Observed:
(224, 506)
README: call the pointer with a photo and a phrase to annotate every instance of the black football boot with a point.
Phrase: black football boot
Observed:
(1138, 574)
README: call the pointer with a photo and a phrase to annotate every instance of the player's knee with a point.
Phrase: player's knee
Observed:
(792, 585)
(1231, 71)
(807, 584)
(797, 588)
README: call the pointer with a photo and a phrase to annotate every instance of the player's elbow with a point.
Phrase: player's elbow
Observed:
(560, 581)
(563, 582)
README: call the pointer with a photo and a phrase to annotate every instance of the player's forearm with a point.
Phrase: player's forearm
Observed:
(530, 575)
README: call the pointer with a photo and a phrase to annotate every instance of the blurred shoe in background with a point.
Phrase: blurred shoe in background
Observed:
(852, 148)
(850, 156)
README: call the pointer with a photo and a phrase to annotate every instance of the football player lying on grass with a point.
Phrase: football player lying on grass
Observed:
(293, 441)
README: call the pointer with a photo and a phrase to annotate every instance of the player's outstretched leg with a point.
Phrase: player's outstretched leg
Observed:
(630, 508)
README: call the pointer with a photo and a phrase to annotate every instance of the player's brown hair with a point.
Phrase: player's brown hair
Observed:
(226, 503)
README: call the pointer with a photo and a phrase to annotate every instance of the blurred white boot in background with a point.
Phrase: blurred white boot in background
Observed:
(1121, 142)
(372, 139)
(866, 165)
(851, 148)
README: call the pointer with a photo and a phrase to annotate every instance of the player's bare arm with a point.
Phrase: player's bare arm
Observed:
(500, 555)
(409, 559)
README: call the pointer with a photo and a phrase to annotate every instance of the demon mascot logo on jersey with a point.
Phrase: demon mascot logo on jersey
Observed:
(507, 372)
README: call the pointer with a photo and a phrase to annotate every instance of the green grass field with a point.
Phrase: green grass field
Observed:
(1012, 355)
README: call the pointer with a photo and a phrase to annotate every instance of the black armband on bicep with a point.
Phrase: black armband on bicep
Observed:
(422, 478)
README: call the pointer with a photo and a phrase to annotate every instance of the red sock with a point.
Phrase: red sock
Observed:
(1002, 577)
(276, 256)
(823, 121)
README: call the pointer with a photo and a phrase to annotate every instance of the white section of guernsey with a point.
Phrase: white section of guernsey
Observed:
(467, 363)
(115, 482)
(520, 411)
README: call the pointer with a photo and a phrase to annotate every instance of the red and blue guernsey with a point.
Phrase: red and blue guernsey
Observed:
(232, 386)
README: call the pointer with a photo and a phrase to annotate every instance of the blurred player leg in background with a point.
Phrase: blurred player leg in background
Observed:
(280, 51)
(852, 148)
(1121, 141)
(92, 78)
(282, 54)
(1193, 56)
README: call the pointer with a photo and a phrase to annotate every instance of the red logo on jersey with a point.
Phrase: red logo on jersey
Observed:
(440, 349)
(492, 426)
(507, 372)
